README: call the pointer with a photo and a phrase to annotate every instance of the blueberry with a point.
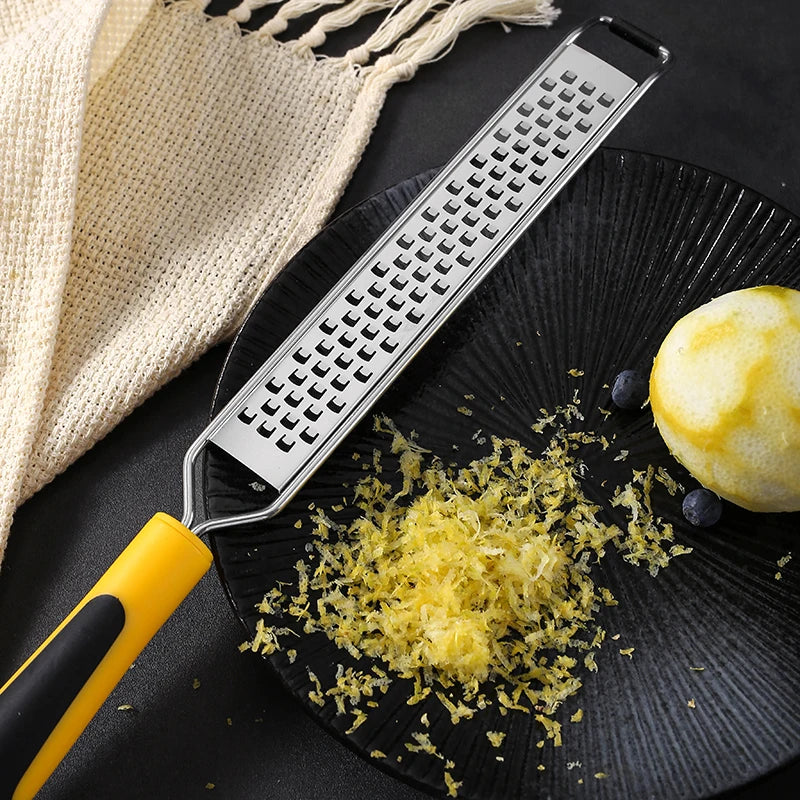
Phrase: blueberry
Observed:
(702, 508)
(630, 390)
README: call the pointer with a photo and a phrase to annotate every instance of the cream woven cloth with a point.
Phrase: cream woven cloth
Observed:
(157, 168)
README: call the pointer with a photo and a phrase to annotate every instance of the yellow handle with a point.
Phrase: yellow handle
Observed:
(49, 701)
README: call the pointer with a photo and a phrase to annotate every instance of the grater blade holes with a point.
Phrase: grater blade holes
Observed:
(452, 207)
(292, 400)
(284, 445)
(245, 416)
(264, 431)
(312, 413)
(379, 271)
(465, 259)
(308, 436)
(269, 408)
(395, 303)
(301, 356)
(472, 200)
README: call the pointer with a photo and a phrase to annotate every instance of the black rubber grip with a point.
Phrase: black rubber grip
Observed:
(630, 33)
(32, 705)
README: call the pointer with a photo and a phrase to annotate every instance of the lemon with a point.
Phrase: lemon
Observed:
(725, 394)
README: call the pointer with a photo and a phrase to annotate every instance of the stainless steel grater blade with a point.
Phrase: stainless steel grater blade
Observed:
(321, 381)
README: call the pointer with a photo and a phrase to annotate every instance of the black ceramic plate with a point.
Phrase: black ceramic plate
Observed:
(631, 245)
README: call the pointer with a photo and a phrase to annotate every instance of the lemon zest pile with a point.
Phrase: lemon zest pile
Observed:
(470, 580)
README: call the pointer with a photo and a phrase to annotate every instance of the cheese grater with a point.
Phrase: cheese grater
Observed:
(325, 376)
(305, 399)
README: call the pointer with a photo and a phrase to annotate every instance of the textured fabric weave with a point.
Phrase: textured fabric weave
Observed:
(157, 168)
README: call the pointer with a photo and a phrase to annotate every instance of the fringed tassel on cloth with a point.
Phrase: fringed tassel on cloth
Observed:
(436, 38)
(338, 19)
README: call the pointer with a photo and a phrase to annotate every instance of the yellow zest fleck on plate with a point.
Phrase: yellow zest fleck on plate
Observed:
(495, 737)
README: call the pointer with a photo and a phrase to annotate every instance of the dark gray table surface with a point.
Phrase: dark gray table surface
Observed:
(730, 104)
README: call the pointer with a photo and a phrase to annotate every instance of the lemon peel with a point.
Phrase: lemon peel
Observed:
(725, 395)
